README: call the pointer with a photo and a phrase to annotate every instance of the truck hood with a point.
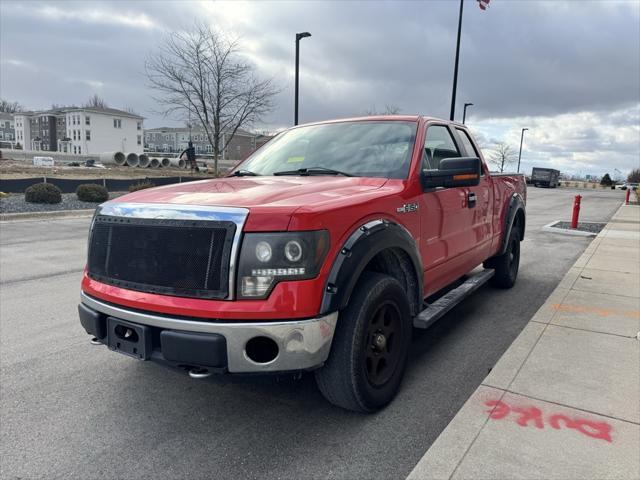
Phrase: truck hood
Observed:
(248, 192)
(276, 197)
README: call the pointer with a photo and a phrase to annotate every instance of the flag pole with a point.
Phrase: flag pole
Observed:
(455, 70)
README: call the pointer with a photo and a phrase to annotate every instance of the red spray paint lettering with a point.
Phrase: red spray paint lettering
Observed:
(532, 416)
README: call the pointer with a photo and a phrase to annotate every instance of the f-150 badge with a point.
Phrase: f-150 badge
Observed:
(407, 208)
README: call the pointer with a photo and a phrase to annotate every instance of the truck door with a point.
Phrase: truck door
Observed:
(480, 215)
(446, 226)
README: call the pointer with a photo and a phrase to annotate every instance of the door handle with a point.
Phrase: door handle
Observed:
(471, 199)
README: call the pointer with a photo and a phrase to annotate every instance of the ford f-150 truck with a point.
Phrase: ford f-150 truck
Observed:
(320, 252)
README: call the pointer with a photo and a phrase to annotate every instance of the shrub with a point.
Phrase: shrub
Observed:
(43, 193)
(141, 186)
(606, 180)
(90, 192)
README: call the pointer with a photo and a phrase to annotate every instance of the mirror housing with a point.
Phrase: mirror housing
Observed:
(453, 172)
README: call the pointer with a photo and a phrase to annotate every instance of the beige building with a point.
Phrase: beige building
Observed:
(176, 140)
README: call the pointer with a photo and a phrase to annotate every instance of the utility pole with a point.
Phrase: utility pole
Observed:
(455, 70)
(520, 154)
(299, 36)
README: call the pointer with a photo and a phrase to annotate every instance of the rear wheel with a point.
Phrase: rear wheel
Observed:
(506, 265)
(370, 347)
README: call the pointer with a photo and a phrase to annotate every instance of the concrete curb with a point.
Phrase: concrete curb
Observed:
(564, 231)
(10, 217)
(564, 399)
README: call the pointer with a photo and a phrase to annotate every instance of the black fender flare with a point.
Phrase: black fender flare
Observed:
(362, 245)
(516, 204)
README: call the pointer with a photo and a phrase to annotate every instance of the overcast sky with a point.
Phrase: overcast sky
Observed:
(567, 70)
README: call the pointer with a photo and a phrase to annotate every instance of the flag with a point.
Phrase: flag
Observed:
(483, 4)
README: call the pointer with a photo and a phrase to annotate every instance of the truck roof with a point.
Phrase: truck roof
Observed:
(401, 118)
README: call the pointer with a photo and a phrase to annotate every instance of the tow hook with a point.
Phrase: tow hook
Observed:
(199, 373)
(95, 341)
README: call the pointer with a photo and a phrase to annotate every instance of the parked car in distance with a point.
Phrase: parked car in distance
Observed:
(320, 252)
(545, 177)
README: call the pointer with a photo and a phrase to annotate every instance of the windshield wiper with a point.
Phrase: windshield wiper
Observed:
(313, 171)
(244, 173)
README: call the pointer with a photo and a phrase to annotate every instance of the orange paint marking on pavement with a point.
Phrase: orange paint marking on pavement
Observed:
(603, 312)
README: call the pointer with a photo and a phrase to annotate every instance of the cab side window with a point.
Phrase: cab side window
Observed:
(438, 145)
(467, 143)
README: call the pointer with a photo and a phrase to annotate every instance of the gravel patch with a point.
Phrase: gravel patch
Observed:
(15, 203)
(591, 227)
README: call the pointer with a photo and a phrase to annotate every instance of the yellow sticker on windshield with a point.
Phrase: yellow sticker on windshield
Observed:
(295, 159)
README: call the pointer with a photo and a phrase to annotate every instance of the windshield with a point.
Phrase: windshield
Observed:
(364, 149)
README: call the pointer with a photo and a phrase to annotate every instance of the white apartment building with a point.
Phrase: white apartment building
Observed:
(81, 130)
(23, 130)
(94, 131)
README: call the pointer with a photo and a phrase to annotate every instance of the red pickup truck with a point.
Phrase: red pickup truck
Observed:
(321, 251)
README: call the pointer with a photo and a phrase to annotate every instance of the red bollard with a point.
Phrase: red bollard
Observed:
(626, 201)
(576, 211)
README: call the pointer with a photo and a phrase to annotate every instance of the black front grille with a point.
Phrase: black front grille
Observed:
(185, 258)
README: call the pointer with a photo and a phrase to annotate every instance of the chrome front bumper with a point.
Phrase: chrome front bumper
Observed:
(303, 344)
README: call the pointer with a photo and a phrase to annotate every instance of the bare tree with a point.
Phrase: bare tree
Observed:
(10, 107)
(95, 102)
(199, 74)
(388, 110)
(502, 156)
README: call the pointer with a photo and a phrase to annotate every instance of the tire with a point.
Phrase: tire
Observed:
(370, 346)
(506, 265)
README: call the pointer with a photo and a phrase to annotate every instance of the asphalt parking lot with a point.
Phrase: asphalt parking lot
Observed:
(70, 409)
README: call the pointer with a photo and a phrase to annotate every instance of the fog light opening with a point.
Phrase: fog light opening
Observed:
(261, 349)
(126, 333)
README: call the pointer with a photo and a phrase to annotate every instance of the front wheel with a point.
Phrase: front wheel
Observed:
(370, 347)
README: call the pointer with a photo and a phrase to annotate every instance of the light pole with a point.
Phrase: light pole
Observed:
(455, 70)
(520, 154)
(299, 36)
(464, 112)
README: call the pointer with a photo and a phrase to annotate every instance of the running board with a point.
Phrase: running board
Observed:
(445, 303)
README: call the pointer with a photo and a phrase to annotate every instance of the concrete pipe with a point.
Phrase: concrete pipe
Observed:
(110, 158)
(177, 162)
(165, 162)
(154, 163)
(133, 160)
(143, 160)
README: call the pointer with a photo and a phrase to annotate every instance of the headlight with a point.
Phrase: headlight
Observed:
(293, 251)
(267, 258)
(263, 251)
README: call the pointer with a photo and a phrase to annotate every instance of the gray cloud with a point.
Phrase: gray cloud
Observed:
(519, 60)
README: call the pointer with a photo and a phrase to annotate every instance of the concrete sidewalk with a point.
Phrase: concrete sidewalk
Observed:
(563, 402)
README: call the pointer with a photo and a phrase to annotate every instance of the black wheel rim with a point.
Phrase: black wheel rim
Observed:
(514, 257)
(383, 344)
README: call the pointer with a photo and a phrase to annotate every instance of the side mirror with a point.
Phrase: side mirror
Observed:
(454, 172)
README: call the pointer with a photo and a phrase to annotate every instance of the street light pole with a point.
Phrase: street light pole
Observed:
(455, 70)
(464, 112)
(520, 154)
(299, 36)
